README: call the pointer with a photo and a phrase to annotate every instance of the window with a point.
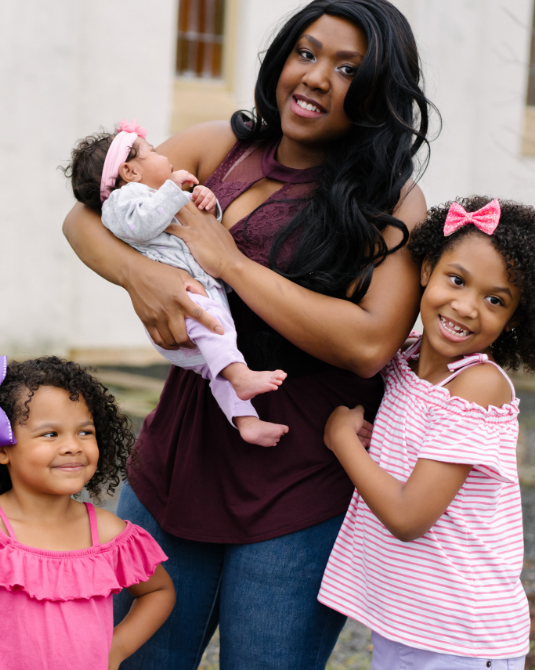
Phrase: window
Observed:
(531, 83)
(528, 146)
(200, 39)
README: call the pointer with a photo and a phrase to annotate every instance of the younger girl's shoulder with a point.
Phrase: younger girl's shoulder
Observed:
(109, 525)
(483, 385)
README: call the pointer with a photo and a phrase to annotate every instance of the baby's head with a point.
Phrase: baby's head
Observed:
(69, 432)
(103, 162)
(479, 288)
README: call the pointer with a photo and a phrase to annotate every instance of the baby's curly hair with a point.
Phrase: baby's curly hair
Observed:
(86, 166)
(114, 437)
(514, 240)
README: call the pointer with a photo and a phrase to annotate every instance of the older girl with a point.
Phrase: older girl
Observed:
(317, 204)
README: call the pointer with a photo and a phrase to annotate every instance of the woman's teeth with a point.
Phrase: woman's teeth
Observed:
(308, 106)
(453, 329)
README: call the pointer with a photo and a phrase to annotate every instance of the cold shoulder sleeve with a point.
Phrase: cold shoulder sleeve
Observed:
(462, 432)
(128, 559)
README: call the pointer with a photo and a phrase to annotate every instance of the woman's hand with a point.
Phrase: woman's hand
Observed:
(210, 242)
(349, 421)
(160, 296)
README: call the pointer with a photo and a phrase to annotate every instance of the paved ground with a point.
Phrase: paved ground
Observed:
(138, 389)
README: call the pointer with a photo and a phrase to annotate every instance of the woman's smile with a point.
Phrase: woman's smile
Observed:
(315, 79)
(306, 107)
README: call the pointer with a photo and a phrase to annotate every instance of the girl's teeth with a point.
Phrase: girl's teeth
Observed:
(456, 330)
(307, 106)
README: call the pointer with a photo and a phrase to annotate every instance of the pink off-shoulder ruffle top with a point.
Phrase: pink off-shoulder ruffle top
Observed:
(57, 605)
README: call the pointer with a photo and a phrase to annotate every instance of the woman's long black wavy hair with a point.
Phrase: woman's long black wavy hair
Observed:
(363, 173)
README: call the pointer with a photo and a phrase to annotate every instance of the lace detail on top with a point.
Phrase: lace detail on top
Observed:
(255, 233)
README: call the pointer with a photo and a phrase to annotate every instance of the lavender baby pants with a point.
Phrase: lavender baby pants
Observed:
(389, 655)
(218, 351)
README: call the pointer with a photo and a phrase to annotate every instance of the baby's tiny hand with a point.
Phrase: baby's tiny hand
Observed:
(183, 178)
(204, 198)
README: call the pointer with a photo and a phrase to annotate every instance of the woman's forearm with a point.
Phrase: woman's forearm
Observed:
(99, 249)
(361, 338)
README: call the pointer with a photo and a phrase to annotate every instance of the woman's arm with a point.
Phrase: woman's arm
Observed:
(408, 510)
(158, 291)
(360, 337)
(154, 288)
(154, 602)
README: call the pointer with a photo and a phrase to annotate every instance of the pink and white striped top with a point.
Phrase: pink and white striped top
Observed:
(457, 589)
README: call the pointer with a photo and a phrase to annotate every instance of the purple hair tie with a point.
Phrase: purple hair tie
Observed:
(6, 432)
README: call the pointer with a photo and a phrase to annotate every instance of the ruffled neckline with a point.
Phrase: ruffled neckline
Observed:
(99, 571)
(95, 549)
(442, 396)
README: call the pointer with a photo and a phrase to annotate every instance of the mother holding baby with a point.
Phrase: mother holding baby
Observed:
(318, 202)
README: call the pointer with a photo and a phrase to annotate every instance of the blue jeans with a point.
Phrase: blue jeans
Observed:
(262, 595)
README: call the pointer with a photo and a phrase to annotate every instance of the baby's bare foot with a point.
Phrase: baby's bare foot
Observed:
(259, 432)
(249, 383)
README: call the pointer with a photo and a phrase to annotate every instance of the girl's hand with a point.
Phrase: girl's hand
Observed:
(183, 178)
(349, 422)
(210, 243)
(204, 198)
(160, 298)
(153, 603)
(345, 421)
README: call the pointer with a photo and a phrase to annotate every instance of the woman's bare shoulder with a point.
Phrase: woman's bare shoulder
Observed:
(412, 207)
(200, 149)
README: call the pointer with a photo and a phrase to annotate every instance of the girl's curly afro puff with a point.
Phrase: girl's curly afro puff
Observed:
(114, 437)
(514, 240)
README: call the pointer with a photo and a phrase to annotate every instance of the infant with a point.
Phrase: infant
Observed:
(138, 193)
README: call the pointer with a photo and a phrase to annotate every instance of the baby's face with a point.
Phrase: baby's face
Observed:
(154, 168)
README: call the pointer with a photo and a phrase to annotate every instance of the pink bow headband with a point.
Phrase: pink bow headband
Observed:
(485, 219)
(117, 154)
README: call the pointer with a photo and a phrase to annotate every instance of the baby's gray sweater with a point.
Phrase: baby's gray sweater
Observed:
(139, 215)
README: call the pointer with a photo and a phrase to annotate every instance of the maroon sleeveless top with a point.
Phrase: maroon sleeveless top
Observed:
(196, 475)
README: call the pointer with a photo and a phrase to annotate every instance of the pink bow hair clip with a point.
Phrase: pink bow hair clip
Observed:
(132, 127)
(485, 219)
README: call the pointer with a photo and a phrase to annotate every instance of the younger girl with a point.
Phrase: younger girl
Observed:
(138, 192)
(61, 560)
(430, 552)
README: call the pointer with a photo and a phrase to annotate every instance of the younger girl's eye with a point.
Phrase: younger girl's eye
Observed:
(51, 433)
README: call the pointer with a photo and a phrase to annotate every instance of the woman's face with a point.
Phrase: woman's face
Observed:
(315, 78)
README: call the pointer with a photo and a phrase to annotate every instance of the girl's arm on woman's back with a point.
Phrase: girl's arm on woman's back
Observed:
(409, 509)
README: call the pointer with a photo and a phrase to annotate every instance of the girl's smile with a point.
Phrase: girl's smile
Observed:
(56, 450)
(469, 298)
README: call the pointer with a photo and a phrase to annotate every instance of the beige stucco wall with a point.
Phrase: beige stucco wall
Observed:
(67, 69)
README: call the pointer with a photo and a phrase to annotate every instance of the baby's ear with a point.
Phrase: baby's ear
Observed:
(129, 172)
(425, 272)
(4, 456)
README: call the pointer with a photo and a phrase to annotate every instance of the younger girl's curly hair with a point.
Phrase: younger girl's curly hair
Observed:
(114, 437)
(514, 240)
(86, 167)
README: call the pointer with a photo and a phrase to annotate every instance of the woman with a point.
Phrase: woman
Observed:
(318, 202)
